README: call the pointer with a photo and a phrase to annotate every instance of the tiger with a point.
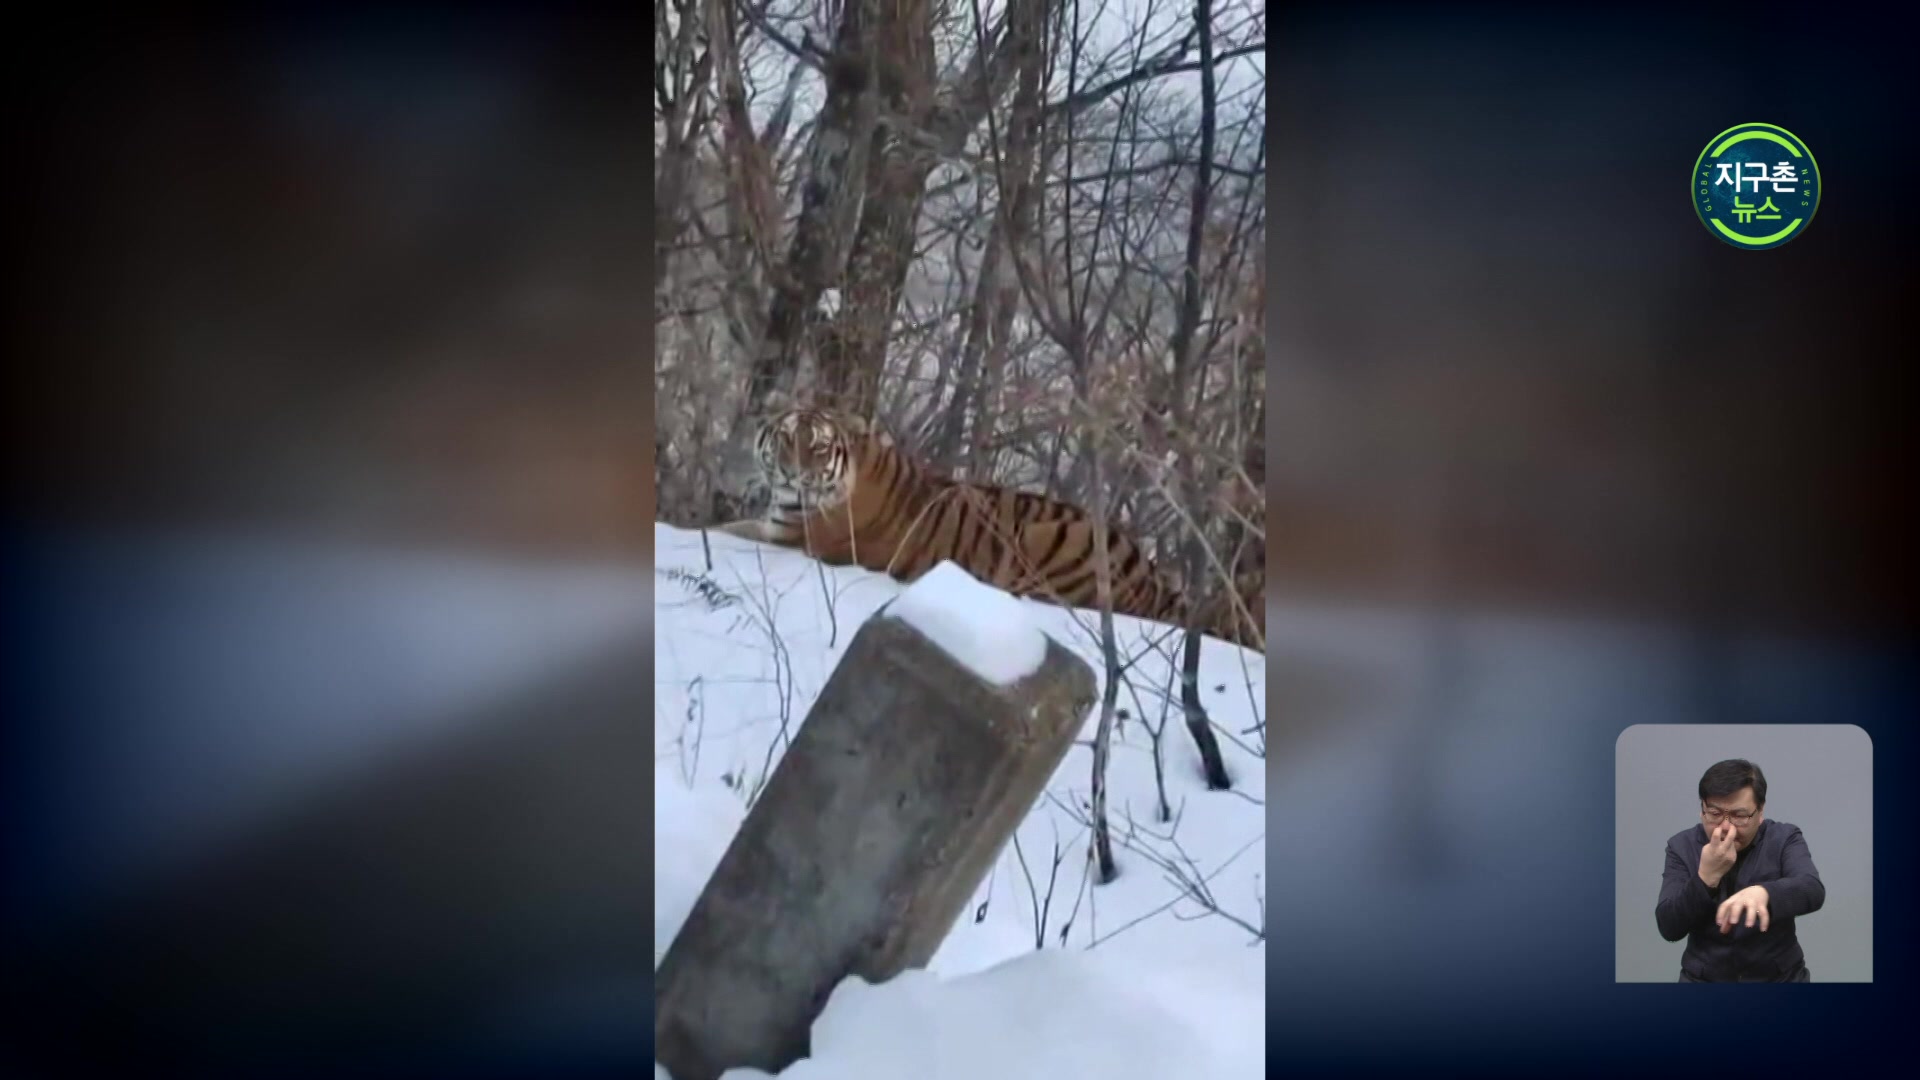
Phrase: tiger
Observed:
(844, 492)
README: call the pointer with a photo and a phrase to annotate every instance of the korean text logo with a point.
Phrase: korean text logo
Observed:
(1756, 186)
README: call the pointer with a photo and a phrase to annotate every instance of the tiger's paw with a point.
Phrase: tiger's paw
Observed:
(746, 529)
(760, 531)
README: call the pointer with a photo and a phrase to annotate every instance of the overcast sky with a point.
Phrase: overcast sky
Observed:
(1111, 25)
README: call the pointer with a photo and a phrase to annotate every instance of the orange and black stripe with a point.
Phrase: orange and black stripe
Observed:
(898, 517)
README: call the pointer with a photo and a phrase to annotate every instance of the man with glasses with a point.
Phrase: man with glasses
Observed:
(1735, 883)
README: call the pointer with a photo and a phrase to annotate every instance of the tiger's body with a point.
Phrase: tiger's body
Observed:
(846, 495)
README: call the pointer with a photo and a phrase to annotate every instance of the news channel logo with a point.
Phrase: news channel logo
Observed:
(1756, 186)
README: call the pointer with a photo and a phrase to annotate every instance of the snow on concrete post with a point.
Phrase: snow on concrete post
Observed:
(931, 741)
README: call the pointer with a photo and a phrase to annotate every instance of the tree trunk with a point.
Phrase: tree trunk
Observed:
(1182, 391)
(1212, 765)
(836, 170)
(1020, 180)
(853, 348)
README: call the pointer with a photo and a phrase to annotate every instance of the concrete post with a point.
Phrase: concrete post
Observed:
(903, 784)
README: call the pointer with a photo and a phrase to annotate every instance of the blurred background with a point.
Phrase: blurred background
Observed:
(1548, 460)
(326, 500)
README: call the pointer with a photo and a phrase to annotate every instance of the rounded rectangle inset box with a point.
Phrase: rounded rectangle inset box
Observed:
(1743, 853)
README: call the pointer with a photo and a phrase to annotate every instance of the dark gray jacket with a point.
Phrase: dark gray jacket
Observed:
(1777, 859)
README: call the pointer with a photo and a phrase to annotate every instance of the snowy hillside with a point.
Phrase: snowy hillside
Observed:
(1159, 974)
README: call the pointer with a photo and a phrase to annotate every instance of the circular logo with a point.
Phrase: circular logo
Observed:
(1756, 186)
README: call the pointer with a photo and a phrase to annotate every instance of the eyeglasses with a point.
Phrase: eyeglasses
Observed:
(1716, 815)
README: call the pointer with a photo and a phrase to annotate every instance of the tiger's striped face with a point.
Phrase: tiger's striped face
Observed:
(807, 457)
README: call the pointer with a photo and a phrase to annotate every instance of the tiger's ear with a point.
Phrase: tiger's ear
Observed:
(769, 416)
(866, 427)
(779, 399)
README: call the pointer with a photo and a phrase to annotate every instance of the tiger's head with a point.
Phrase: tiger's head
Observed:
(809, 457)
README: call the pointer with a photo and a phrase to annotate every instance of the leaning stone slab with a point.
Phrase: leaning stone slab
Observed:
(906, 779)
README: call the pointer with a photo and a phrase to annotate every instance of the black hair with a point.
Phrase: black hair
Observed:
(1729, 776)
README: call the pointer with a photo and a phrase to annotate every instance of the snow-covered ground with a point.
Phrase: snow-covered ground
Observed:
(1159, 974)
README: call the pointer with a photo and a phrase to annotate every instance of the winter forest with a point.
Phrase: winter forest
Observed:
(1026, 236)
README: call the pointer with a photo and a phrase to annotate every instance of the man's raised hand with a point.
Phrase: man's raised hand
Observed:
(1749, 904)
(1716, 857)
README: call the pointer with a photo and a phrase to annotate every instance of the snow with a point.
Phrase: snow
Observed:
(985, 629)
(1050, 1014)
(1157, 975)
